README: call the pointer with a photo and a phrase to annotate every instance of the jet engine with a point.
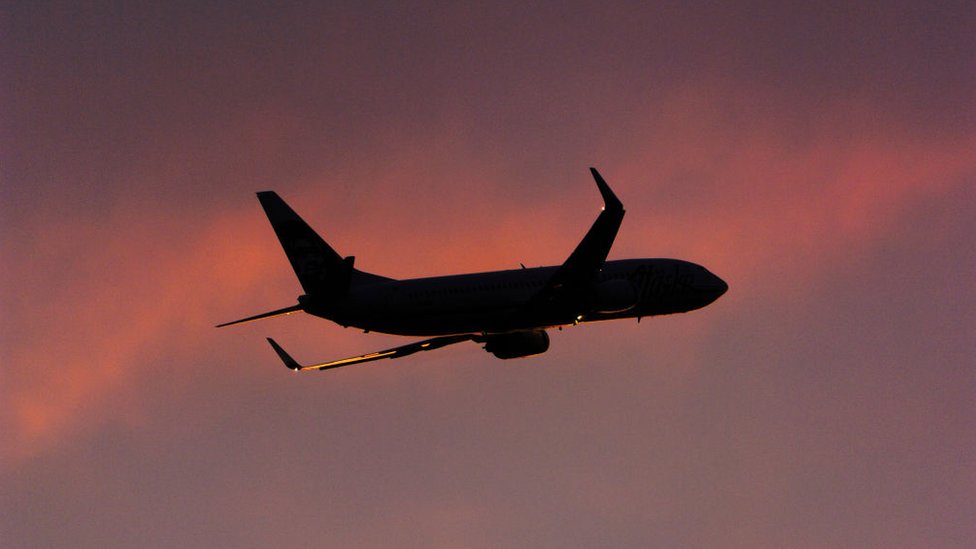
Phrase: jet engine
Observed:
(517, 344)
(615, 296)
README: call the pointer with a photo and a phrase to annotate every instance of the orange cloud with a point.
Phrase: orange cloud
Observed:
(113, 302)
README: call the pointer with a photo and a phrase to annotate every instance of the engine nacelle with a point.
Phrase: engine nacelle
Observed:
(517, 344)
(615, 296)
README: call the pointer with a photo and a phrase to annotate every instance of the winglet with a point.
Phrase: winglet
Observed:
(285, 357)
(610, 200)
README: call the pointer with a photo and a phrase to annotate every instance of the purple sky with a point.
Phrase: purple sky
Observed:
(820, 159)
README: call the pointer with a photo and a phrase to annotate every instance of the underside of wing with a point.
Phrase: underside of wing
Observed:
(395, 352)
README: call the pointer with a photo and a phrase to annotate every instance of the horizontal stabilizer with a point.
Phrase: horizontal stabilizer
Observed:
(279, 312)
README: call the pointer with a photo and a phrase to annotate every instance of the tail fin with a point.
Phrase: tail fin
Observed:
(319, 268)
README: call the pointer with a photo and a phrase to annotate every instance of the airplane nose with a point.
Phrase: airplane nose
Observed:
(711, 286)
(720, 287)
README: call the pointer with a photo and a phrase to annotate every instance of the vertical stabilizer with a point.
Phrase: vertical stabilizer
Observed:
(320, 270)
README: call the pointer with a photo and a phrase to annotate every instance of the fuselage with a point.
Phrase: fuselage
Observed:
(496, 302)
(506, 311)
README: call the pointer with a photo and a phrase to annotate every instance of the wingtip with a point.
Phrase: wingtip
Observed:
(610, 200)
(290, 362)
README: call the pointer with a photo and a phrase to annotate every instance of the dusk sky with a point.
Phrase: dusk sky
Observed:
(819, 157)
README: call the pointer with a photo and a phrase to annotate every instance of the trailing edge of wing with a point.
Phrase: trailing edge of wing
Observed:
(395, 352)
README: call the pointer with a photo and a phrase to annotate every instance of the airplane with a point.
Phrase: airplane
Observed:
(507, 311)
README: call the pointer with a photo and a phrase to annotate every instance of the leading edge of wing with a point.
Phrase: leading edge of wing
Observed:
(395, 352)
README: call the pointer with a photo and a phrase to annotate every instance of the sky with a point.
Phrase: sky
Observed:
(820, 158)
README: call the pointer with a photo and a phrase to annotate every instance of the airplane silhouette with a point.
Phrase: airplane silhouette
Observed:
(507, 311)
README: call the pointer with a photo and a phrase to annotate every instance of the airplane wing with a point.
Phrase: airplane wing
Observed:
(569, 285)
(395, 352)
